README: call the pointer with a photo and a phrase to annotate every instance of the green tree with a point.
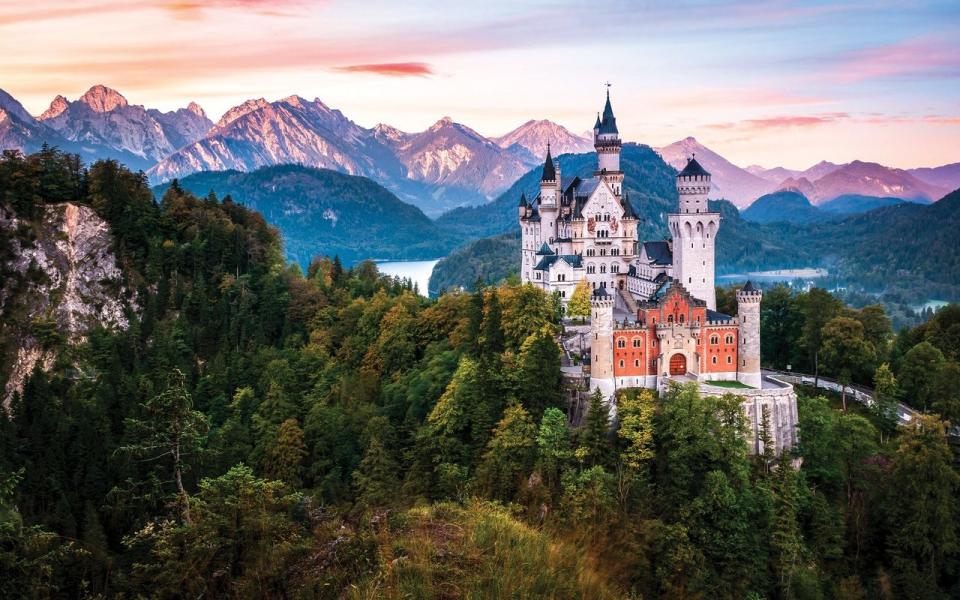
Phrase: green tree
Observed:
(635, 411)
(924, 518)
(169, 429)
(818, 307)
(509, 456)
(885, 394)
(946, 392)
(553, 445)
(538, 374)
(918, 372)
(377, 478)
(286, 453)
(595, 444)
(845, 352)
(579, 305)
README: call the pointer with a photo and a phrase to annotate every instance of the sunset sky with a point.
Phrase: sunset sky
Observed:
(774, 83)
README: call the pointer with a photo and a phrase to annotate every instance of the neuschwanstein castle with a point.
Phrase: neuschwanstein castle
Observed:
(653, 304)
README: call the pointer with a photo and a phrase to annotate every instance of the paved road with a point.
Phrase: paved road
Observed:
(861, 394)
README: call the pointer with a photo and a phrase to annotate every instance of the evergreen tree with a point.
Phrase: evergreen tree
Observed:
(553, 445)
(509, 456)
(595, 444)
(285, 455)
(885, 393)
(377, 478)
(538, 375)
(491, 334)
(918, 372)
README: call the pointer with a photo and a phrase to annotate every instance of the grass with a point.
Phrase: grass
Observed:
(476, 551)
(730, 384)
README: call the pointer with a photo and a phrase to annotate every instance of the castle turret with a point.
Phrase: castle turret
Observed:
(601, 342)
(549, 199)
(608, 145)
(748, 321)
(694, 231)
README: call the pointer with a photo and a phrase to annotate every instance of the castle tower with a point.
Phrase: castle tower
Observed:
(694, 231)
(529, 239)
(748, 320)
(606, 141)
(601, 342)
(549, 199)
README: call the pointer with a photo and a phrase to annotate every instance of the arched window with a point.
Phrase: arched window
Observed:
(714, 340)
(621, 343)
(670, 319)
(681, 318)
(591, 269)
(636, 342)
(636, 363)
(621, 364)
(729, 360)
(729, 339)
(614, 268)
(603, 268)
(714, 360)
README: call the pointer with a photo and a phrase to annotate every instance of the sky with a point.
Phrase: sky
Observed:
(775, 83)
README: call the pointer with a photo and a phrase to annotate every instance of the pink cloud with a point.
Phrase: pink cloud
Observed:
(907, 58)
(401, 69)
(782, 122)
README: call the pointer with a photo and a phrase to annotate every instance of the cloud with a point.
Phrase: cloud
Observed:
(400, 69)
(782, 122)
(921, 57)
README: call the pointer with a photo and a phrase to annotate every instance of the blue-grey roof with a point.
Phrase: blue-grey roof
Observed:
(600, 292)
(713, 315)
(545, 250)
(549, 170)
(658, 252)
(748, 287)
(574, 260)
(609, 123)
(586, 188)
(693, 169)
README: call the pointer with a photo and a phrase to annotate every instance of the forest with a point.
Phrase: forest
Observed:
(258, 431)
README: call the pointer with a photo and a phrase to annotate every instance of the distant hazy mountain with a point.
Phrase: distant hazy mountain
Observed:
(534, 136)
(947, 176)
(18, 129)
(730, 182)
(778, 175)
(851, 204)
(782, 206)
(104, 123)
(871, 179)
(325, 212)
(451, 154)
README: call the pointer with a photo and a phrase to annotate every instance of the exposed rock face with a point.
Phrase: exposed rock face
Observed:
(535, 135)
(67, 275)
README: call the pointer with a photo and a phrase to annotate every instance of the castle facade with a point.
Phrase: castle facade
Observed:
(653, 304)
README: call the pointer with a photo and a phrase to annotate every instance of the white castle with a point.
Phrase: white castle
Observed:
(653, 304)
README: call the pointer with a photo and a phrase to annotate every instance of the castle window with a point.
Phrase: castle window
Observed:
(681, 318)
(690, 280)
(729, 339)
(714, 340)
(621, 343)
(670, 319)
(591, 269)
(636, 363)
(538, 274)
(614, 268)
(714, 360)
(621, 364)
(636, 342)
(729, 360)
(603, 268)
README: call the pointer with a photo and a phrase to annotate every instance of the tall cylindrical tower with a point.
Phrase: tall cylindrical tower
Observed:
(748, 349)
(601, 342)
(694, 230)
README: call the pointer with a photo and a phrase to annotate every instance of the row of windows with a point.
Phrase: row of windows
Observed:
(603, 252)
(614, 268)
(729, 360)
(715, 339)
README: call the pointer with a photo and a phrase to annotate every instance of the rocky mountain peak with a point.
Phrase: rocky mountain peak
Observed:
(534, 135)
(12, 107)
(243, 109)
(197, 110)
(102, 99)
(56, 108)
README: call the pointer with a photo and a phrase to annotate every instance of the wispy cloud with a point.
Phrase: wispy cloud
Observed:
(911, 58)
(782, 122)
(399, 69)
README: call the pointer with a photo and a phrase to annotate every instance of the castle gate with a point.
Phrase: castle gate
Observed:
(678, 364)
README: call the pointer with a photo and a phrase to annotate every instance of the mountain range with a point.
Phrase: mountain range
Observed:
(443, 167)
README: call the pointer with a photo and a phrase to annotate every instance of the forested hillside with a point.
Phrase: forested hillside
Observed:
(320, 211)
(256, 431)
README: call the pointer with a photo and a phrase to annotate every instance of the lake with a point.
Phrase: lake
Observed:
(777, 275)
(416, 270)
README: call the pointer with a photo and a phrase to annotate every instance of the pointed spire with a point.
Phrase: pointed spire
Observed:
(523, 200)
(549, 171)
(596, 125)
(609, 122)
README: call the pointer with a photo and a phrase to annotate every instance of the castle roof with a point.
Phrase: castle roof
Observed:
(658, 252)
(713, 315)
(600, 292)
(628, 212)
(545, 250)
(523, 200)
(748, 287)
(609, 123)
(597, 124)
(574, 260)
(549, 170)
(693, 169)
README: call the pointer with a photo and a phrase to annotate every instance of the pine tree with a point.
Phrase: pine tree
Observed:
(509, 455)
(284, 457)
(491, 335)
(553, 445)
(596, 447)
(376, 479)
(170, 429)
(885, 392)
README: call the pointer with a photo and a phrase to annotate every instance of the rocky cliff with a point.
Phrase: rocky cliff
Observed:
(61, 280)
